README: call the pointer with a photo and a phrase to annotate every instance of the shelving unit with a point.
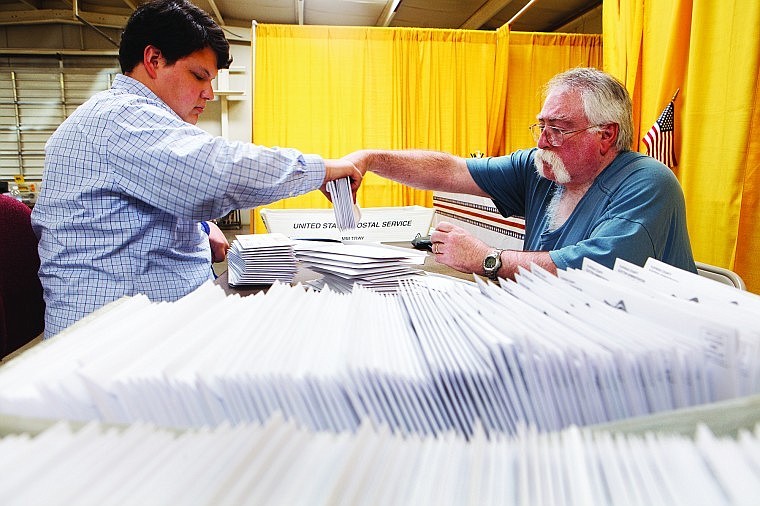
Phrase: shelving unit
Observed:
(231, 221)
(226, 92)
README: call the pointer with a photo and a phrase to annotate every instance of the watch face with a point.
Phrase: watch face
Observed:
(489, 262)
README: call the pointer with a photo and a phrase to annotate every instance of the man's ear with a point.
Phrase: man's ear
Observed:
(151, 60)
(609, 134)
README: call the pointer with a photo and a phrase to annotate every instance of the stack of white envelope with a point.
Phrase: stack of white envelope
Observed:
(347, 214)
(586, 347)
(370, 265)
(261, 259)
(278, 463)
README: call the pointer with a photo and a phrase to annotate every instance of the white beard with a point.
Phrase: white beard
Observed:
(544, 158)
(552, 210)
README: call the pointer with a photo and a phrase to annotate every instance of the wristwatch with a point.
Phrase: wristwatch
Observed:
(492, 264)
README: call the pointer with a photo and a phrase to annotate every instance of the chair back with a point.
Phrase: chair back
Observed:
(721, 274)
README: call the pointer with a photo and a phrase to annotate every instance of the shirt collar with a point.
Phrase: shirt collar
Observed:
(132, 86)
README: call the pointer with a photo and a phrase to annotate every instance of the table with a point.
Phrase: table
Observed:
(304, 274)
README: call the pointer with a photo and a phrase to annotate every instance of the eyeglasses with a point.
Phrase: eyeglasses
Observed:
(553, 135)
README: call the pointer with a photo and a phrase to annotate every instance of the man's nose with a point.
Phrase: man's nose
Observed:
(542, 142)
(208, 93)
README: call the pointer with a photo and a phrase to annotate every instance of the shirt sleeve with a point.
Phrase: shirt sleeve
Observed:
(504, 179)
(181, 169)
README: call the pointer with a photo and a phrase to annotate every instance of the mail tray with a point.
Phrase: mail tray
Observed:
(377, 224)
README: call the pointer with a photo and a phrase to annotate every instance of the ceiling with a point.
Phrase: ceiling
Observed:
(539, 15)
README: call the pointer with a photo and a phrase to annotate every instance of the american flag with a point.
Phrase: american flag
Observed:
(659, 138)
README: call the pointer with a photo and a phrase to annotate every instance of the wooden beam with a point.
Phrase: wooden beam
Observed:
(104, 20)
(50, 16)
(484, 14)
(34, 4)
(219, 18)
(43, 16)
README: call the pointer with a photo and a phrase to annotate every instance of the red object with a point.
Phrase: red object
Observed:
(22, 308)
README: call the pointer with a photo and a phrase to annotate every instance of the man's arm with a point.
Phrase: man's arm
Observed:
(452, 245)
(460, 250)
(512, 259)
(426, 170)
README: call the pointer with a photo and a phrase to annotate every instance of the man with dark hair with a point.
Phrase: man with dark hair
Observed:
(178, 28)
(582, 191)
(130, 181)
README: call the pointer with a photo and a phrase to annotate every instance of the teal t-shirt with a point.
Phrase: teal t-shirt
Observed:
(634, 210)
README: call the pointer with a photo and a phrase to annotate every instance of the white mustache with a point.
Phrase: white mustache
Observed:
(543, 158)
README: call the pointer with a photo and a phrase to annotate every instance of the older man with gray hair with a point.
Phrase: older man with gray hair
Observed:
(582, 191)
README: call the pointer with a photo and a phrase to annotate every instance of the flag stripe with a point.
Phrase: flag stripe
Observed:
(659, 138)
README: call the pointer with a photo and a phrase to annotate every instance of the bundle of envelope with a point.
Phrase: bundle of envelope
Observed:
(347, 214)
(585, 347)
(261, 259)
(281, 463)
(370, 265)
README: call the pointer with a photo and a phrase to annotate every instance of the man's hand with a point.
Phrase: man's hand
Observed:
(457, 248)
(218, 242)
(337, 169)
(360, 159)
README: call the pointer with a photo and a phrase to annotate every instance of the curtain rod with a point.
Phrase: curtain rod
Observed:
(521, 12)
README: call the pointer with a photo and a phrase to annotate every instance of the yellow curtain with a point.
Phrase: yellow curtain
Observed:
(622, 33)
(711, 51)
(533, 59)
(497, 108)
(332, 90)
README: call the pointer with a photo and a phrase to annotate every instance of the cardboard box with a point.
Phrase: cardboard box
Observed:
(377, 224)
(479, 217)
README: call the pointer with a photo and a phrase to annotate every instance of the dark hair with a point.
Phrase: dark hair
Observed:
(177, 28)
